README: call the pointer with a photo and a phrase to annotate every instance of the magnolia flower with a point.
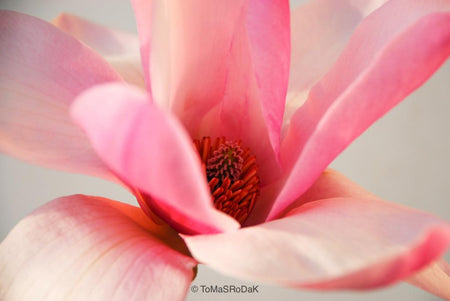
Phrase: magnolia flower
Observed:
(223, 135)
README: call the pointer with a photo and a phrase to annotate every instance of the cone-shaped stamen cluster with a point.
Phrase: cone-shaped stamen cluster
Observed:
(225, 162)
(232, 175)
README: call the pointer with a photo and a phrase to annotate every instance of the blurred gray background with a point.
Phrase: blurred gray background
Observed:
(404, 158)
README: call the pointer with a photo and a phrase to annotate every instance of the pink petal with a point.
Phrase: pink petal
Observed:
(350, 242)
(119, 48)
(332, 184)
(150, 150)
(143, 10)
(320, 30)
(374, 73)
(435, 279)
(269, 38)
(97, 249)
(221, 76)
(238, 115)
(42, 70)
(189, 47)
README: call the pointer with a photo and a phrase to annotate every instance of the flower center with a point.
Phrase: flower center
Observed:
(232, 175)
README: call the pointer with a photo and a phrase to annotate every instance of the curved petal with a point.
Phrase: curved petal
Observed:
(268, 33)
(374, 73)
(42, 71)
(220, 75)
(143, 11)
(189, 47)
(331, 184)
(94, 250)
(435, 279)
(334, 243)
(149, 150)
(320, 30)
(119, 48)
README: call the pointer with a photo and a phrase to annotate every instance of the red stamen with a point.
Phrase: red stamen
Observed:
(232, 175)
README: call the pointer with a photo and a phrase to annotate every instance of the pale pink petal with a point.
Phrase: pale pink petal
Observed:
(391, 54)
(268, 31)
(202, 70)
(252, 104)
(150, 150)
(348, 242)
(119, 48)
(331, 184)
(105, 41)
(89, 248)
(143, 10)
(222, 76)
(42, 71)
(319, 31)
(213, 73)
(435, 279)
(189, 49)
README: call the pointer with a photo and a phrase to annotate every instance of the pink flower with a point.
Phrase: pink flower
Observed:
(258, 205)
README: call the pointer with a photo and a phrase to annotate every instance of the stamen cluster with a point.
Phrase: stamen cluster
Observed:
(232, 175)
(225, 162)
